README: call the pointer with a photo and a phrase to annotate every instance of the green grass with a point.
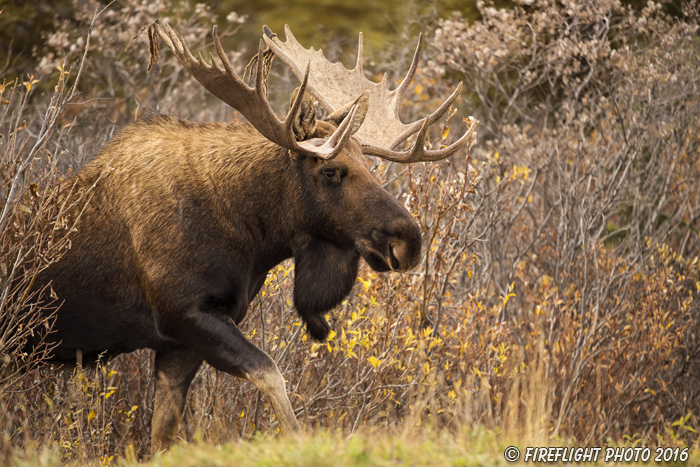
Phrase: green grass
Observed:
(324, 449)
(320, 449)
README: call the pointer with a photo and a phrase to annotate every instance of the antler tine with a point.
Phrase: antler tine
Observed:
(222, 54)
(332, 146)
(419, 144)
(418, 153)
(183, 48)
(259, 69)
(358, 63)
(341, 135)
(177, 44)
(294, 108)
(432, 118)
(403, 87)
(211, 60)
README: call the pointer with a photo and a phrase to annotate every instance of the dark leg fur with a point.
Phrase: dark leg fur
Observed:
(175, 369)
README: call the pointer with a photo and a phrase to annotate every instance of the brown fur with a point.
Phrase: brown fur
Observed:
(184, 223)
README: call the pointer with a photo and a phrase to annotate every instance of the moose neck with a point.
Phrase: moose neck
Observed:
(266, 190)
(253, 190)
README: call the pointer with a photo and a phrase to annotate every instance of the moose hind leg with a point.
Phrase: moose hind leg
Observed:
(175, 369)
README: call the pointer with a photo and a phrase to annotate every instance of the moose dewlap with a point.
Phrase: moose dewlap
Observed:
(186, 219)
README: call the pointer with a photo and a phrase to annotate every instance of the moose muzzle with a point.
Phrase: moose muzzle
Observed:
(397, 248)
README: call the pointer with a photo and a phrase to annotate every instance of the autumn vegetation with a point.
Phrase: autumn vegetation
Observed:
(556, 302)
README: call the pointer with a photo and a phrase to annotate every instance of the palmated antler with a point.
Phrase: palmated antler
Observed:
(225, 84)
(335, 86)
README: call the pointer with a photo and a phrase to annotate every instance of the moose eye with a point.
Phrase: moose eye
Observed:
(330, 174)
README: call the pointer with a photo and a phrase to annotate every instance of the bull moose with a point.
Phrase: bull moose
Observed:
(186, 219)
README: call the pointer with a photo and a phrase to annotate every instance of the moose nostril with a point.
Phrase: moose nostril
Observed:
(406, 254)
(394, 261)
(408, 245)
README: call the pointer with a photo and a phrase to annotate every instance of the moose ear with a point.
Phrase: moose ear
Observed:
(304, 125)
(362, 106)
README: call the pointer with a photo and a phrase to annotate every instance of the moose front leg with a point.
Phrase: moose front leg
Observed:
(269, 380)
(217, 339)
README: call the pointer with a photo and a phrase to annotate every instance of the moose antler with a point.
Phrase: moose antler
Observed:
(383, 131)
(225, 84)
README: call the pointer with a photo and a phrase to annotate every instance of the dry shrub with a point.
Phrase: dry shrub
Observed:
(556, 296)
(588, 205)
(34, 230)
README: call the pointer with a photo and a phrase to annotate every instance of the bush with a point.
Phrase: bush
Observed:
(34, 226)
(589, 200)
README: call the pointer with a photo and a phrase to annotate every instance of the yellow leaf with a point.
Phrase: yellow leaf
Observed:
(507, 297)
(5, 86)
(28, 84)
(445, 132)
(91, 415)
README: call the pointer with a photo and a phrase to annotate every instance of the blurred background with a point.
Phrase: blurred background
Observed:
(24, 26)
